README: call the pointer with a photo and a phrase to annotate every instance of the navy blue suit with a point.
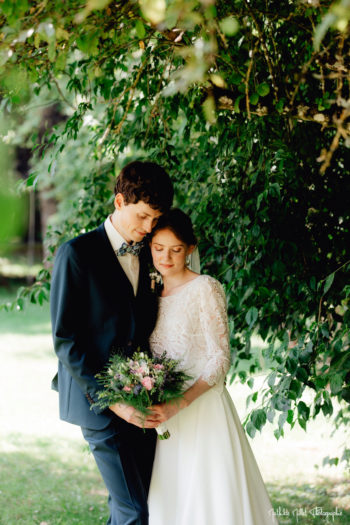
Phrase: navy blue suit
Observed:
(94, 310)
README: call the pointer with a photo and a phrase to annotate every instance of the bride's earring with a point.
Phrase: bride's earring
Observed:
(188, 260)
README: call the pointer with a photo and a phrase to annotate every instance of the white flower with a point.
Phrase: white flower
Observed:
(155, 276)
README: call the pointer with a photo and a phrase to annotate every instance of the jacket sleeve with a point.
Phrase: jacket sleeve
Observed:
(68, 316)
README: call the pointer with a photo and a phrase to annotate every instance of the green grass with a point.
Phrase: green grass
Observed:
(49, 480)
(48, 477)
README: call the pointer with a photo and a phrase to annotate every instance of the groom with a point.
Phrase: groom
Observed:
(101, 299)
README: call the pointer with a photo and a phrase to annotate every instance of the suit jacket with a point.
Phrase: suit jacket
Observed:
(94, 310)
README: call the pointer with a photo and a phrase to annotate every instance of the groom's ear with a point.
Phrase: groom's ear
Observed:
(119, 201)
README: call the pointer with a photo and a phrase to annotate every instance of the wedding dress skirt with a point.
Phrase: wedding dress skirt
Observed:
(205, 473)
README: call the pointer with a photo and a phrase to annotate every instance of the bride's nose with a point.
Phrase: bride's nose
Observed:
(167, 255)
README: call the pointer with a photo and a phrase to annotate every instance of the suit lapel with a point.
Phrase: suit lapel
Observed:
(111, 263)
(144, 280)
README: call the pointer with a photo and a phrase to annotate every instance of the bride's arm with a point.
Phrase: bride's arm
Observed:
(213, 321)
(167, 410)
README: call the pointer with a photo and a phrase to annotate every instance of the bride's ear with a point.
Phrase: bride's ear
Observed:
(191, 249)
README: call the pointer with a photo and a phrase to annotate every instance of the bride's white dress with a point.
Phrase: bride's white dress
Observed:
(205, 473)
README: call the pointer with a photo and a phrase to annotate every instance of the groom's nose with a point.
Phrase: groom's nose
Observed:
(147, 225)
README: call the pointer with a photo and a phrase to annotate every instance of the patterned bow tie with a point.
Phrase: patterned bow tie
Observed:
(134, 249)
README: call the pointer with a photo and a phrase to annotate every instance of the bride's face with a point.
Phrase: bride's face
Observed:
(169, 253)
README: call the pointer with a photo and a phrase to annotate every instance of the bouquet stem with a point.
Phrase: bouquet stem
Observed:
(162, 431)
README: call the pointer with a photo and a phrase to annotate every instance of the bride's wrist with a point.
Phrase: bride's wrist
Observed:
(185, 403)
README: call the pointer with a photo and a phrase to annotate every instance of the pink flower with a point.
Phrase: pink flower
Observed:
(159, 367)
(141, 370)
(127, 388)
(147, 382)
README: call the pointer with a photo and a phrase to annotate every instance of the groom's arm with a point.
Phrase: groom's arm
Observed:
(68, 315)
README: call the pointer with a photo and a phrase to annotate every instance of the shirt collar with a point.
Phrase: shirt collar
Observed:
(113, 235)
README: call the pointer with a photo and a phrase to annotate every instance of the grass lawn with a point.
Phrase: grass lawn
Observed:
(48, 476)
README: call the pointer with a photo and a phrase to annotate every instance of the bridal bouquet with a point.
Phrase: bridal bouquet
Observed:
(141, 381)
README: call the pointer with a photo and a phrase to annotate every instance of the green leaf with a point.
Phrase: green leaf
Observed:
(278, 432)
(328, 283)
(209, 109)
(271, 415)
(88, 43)
(295, 386)
(254, 99)
(51, 51)
(327, 408)
(303, 410)
(280, 105)
(271, 379)
(242, 375)
(229, 25)
(263, 89)
(258, 418)
(236, 104)
(97, 4)
(236, 78)
(345, 394)
(61, 60)
(302, 423)
(282, 419)
(32, 179)
(140, 29)
(251, 316)
(302, 374)
(251, 430)
(336, 383)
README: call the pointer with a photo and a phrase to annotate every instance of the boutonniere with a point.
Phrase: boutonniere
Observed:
(155, 277)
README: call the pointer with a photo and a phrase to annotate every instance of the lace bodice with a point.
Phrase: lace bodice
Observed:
(192, 327)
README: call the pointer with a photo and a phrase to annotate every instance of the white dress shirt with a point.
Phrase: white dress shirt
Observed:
(130, 263)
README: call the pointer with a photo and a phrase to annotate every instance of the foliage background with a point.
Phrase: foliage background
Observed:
(247, 105)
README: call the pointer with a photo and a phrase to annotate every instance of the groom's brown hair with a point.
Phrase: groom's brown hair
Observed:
(147, 182)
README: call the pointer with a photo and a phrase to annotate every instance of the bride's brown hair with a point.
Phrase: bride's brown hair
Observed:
(179, 223)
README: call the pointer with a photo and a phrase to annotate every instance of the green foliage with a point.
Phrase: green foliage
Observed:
(251, 120)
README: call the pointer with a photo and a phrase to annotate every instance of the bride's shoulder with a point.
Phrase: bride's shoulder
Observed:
(207, 282)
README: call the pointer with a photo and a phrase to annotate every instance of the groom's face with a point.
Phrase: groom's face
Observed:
(134, 221)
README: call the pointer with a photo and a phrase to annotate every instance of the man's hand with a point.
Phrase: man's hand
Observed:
(134, 417)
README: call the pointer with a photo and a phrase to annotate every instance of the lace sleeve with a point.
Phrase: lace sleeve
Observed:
(213, 319)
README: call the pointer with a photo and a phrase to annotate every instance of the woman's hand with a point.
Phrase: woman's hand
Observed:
(165, 411)
(133, 416)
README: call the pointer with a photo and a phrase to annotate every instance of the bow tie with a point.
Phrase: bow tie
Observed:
(134, 249)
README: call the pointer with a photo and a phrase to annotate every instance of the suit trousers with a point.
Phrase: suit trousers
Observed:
(124, 455)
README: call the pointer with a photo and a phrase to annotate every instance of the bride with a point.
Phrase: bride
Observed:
(205, 473)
